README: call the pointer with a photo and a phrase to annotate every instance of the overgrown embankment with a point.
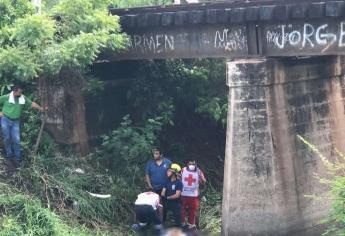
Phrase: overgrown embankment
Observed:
(53, 194)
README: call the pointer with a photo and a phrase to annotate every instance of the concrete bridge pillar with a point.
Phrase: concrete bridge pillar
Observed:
(268, 171)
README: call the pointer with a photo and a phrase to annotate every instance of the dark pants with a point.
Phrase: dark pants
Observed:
(145, 214)
(175, 207)
(163, 202)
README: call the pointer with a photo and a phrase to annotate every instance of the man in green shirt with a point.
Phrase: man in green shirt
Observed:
(12, 106)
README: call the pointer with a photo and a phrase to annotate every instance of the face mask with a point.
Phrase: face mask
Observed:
(191, 167)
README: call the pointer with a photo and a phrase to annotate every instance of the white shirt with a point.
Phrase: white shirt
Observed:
(148, 198)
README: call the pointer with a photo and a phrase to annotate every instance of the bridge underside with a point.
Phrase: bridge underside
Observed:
(276, 92)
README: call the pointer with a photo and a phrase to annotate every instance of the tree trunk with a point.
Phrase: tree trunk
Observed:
(66, 111)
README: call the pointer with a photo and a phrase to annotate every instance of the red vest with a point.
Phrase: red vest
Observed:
(190, 180)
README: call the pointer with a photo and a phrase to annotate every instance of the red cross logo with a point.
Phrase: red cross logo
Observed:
(190, 179)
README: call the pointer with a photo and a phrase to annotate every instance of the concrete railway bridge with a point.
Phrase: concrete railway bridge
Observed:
(285, 73)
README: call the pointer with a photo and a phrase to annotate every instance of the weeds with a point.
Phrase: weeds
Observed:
(335, 222)
(210, 210)
(50, 190)
(22, 214)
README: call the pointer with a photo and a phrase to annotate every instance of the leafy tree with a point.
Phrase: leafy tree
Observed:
(61, 43)
(12, 10)
(172, 88)
(70, 36)
(129, 146)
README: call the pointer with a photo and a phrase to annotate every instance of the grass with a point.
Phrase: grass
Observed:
(49, 197)
(23, 214)
(60, 195)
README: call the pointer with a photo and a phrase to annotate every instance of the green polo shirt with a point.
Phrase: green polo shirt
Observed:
(13, 111)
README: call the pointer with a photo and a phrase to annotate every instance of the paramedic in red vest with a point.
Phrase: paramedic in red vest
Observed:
(192, 176)
(148, 210)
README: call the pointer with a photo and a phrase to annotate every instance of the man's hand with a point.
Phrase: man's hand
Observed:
(1, 114)
(38, 107)
(44, 109)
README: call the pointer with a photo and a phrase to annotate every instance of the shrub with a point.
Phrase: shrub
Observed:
(335, 222)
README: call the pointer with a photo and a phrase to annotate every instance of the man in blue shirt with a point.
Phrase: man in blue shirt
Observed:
(172, 193)
(156, 171)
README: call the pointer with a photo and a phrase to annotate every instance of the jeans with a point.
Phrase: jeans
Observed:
(11, 136)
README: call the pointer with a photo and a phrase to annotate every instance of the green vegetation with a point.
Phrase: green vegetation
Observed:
(138, 3)
(50, 195)
(56, 41)
(62, 184)
(173, 88)
(336, 181)
(25, 215)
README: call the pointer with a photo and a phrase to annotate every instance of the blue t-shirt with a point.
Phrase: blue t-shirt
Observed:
(158, 173)
(171, 187)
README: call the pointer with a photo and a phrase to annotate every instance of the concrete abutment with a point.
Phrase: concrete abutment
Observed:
(268, 171)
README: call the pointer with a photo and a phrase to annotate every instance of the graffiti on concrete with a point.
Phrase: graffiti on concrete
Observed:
(230, 41)
(322, 37)
(157, 43)
(189, 42)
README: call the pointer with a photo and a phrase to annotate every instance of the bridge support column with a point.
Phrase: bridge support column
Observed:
(248, 204)
(268, 171)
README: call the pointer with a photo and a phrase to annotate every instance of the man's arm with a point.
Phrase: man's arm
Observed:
(163, 192)
(202, 178)
(175, 196)
(179, 187)
(37, 107)
(2, 100)
(147, 175)
(148, 181)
